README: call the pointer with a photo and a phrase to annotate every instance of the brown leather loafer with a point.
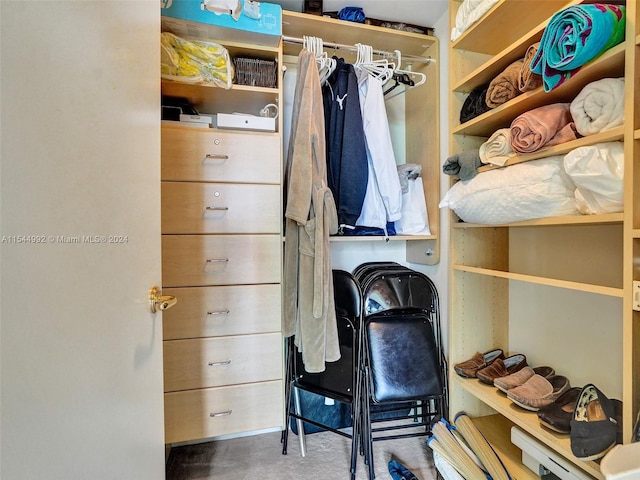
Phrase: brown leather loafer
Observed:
(502, 368)
(469, 368)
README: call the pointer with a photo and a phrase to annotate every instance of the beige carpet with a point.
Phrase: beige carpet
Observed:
(260, 457)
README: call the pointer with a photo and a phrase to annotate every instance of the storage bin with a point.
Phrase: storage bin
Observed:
(622, 462)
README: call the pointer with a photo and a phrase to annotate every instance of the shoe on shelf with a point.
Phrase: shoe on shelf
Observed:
(594, 426)
(521, 376)
(502, 368)
(538, 392)
(469, 368)
(558, 414)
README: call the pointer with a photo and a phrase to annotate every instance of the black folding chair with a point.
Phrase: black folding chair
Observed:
(340, 381)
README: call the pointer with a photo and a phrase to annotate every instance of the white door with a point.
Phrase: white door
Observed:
(81, 356)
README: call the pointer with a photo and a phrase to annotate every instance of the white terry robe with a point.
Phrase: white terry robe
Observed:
(383, 199)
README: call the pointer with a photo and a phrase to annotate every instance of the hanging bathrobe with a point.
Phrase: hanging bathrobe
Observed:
(346, 150)
(310, 217)
(383, 199)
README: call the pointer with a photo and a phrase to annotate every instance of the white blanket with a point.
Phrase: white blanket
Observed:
(497, 149)
(599, 106)
(469, 13)
(598, 173)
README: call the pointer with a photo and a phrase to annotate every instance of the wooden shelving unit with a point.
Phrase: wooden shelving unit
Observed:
(557, 289)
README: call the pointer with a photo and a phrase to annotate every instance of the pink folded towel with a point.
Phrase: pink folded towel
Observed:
(542, 127)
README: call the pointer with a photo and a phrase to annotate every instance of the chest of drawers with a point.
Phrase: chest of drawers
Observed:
(222, 259)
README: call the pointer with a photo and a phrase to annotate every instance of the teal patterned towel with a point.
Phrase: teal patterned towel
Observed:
(575, 36)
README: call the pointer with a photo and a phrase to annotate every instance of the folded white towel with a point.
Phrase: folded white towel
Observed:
(468, 13)
(599, 106)
(497, 149)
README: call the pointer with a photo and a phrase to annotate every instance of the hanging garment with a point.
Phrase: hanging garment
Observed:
(346, 151)
(310, 216)
(383, 197)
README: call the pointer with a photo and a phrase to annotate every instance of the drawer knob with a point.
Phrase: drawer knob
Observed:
(217, 208)
(220, 364)
(221, 414)
(218, 312)
(216, 156)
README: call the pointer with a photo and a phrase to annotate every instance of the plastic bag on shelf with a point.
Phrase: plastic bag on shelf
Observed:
(195, 61)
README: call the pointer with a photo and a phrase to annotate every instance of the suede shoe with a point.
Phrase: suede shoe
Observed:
(518, 378)
(502, 368)
(557, 415)
(594, 424)
(469, 368)
(538, 392)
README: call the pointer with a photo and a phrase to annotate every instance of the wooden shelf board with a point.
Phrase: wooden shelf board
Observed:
(615, 134)
(527, 421)
(379, 238)
(510, 18)
(610, 63)
(295, 24)
(636, 233)
(608, 218)
(581, 287)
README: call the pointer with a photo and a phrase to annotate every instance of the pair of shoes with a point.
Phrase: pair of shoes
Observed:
(469, 368)
(521, 376)
(502, 368)
(594, 426)
(538, 392)
(557, 415)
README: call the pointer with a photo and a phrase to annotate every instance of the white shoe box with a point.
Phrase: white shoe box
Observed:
(245, 122)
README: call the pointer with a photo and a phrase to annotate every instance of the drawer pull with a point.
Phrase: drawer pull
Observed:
(219, 312)
(221, 414)
(217, 260)
(216, 156)
(217, 208)
(219, 364)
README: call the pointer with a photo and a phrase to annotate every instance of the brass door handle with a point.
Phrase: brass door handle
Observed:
(160, 302)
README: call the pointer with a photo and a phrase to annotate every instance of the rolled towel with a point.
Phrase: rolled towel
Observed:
(542, 127)
(504, 87)
(527, 80)
(497, 149)
(599, 106)
(475, 104)
(575, 36)
(464, 165)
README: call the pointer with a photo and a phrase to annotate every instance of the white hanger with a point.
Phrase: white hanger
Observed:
(421, 76)
(381, 69)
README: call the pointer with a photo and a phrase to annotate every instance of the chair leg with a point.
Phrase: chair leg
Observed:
(288, 376)
(299, 423)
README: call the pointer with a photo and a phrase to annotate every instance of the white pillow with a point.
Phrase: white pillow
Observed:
(535, 189)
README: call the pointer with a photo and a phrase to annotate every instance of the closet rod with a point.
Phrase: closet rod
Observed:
(352, 48)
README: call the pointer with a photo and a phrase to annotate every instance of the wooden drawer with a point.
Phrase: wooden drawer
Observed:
(199, 260)
(221, 156)
(190, 207)
(225, 310)
(219, 361)
(211, 412)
